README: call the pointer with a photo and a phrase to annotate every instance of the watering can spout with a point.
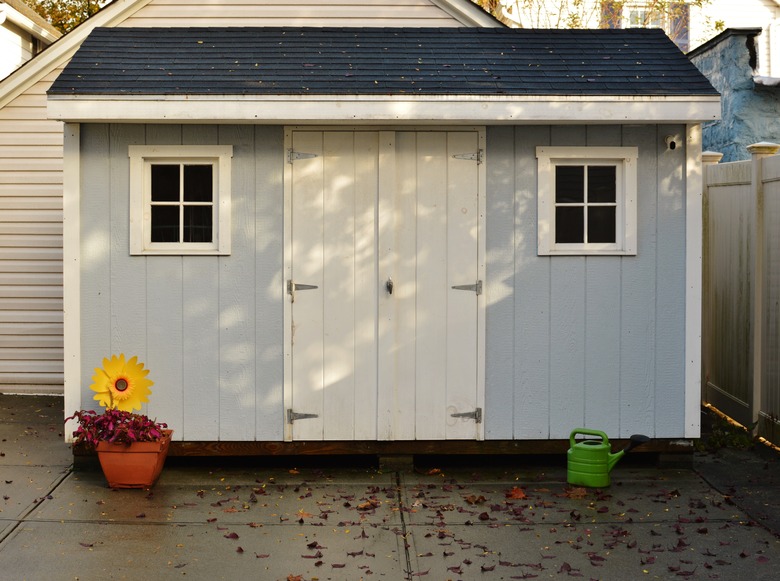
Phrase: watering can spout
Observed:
(633, 442)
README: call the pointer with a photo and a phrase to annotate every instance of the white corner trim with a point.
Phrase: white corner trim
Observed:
(297, 109)
(71, 272)
(694, 185)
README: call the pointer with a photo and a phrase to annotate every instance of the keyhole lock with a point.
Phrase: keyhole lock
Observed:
(389, 286)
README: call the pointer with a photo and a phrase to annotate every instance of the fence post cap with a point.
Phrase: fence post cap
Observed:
(711, 156)
(763, 147)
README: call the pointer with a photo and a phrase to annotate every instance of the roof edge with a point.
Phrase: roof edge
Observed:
(469, 13)
(25, 17)
(64, 48)
(285, 109)
(715, 40)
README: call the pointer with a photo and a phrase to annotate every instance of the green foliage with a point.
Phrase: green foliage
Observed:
(65, 14)
(724, 434)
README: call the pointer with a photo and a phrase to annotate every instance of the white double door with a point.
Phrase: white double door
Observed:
(384, 267)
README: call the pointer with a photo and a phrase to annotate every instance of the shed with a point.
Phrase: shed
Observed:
(387, 234)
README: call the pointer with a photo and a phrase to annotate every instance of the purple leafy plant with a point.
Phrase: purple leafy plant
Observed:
(116, 427)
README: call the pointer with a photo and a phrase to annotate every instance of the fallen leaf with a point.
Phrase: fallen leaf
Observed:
(576, 492)
(233, 536)
(516, 493)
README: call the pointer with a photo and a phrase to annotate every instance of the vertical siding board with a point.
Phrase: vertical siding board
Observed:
(199, 372)
(95, 256)
(200, 348)
(269, 282)
(670, 282)
(128, 274)
(236, 298)
(164, 339)
(499, 286)
(602, 343)
(531, 296)
(602, 321)
(567, 322)
(567, 344)
(638, 306)
(163, 308)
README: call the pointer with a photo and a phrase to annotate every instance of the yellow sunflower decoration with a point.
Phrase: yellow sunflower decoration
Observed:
(121, 384)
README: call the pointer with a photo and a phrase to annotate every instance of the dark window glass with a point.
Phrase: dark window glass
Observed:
(601, 224)
(197, 183)
(198, 223)
(569, 184)
(601, 184)
(165, 223)
(165, 183)
(569, 225)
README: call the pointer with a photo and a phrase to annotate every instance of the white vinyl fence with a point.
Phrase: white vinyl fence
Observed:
(741, 288)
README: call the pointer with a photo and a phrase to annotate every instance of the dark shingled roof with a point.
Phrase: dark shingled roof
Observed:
(379, 61)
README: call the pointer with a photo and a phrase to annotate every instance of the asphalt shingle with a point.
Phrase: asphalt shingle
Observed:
(378, 61)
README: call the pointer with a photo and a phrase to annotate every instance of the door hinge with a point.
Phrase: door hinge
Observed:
(471, 156)
(295, 155)
(294, 286)
(477, 287)
(292, 416)
(476, 415)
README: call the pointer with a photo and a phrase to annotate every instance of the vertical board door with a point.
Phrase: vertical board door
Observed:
(384, 264)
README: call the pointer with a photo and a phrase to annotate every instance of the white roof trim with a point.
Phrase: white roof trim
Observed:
(469, 14)
(299, 109)
(12, 15)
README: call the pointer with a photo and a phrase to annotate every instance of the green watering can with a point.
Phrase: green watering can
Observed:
(590, 461)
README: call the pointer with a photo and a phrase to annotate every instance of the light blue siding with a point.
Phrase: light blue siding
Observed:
(571, 341)
(596, 342)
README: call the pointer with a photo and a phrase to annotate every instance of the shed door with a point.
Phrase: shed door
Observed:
(384, 285)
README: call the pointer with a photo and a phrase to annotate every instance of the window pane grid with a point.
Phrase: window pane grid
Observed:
(587, 221)
(182, 220)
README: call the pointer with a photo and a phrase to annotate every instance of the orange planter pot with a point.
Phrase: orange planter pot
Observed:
(135, 466)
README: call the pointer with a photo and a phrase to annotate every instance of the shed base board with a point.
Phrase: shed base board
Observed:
(405, 448)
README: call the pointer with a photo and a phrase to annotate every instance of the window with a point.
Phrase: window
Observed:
(673, 17)
(180, 199)
(587, 200)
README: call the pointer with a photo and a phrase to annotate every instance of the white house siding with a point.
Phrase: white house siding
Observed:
(584, 341)
(15, 47)
(306, 13)
(571, 341)
(31, 242)
(31, 172)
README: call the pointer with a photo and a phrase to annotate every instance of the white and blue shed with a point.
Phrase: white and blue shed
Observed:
(357, 235)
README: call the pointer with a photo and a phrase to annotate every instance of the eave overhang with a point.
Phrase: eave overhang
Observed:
(391, 109)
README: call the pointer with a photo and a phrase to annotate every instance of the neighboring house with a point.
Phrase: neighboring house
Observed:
(750, 102)
(23, 34)
(689, 24)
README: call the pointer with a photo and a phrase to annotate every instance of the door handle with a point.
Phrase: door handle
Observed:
(389, 286)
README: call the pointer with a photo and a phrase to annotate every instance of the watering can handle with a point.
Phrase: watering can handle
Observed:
(586, 432)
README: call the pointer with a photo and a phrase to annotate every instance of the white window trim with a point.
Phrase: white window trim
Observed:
(141, 158)
(626, 231)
